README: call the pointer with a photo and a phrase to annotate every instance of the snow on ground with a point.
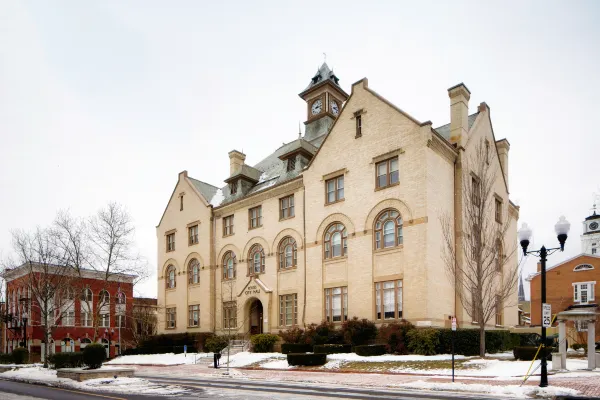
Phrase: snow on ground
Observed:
(506, 390)
(246, 358)
(389, 357)
(118, 385)
(279, 364)
(158, 359)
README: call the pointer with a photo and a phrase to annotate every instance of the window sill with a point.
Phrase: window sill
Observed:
(377, 189)
(193, 326)
(170, 251)
(253, 228)
(171, 289)
(193, 284)
(286, 218)
(192, 244)
(170, 328)
(256, 275)
(285, 270)
(334, 260)
(335, 202)
(227, 279)
(231, 234)
(394, 249)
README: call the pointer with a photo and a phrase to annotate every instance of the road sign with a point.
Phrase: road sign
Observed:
(453, 323)
(546, 315)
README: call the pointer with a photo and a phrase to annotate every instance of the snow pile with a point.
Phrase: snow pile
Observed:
(246, 358)
(505, 390)
(279, 364)
(158, 359)
(118, 385)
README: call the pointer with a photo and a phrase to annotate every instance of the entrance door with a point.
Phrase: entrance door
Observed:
(256, 317)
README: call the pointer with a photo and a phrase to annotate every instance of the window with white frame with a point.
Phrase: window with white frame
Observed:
(581, 326)
(104, 320)
(388, 299)
(336, 304)
(583, 292)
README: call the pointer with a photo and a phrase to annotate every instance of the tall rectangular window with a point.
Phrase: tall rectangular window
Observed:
(288, 310)
(255, 217)
(388, 299)
(336, 304)
(121, 321)
(104, 320)
(358, 126)
(194, 315)
(228, 225)
(334, 189)
(230, 315)
(387, 172)
(171, 242)
(286, 207)
(291, 163)
(498, 211)
(69, 316)
(193, 234)
(476, 188)
(583, 292)
(86, 315)
(171, 318)
(498, 311)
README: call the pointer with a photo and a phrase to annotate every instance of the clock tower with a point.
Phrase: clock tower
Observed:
(590, 240)
(324, 98)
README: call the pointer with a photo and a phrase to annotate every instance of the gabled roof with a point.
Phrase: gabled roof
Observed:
(444, 130)
(534, 274)
(205, 189)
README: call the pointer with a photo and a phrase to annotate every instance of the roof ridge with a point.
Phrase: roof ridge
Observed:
(198, 180)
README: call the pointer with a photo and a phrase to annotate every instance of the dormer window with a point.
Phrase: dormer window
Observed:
(233, 187)
(291, 164)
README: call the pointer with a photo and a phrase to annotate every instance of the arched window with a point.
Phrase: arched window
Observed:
(193, 272)
(583, 267)
(104, 303)
(86, 294)
(336, 241)
(288, 254)
(388, 229)
(84, 342)
(66, 345)
(171, 277)
(499, 255)
(229, 262)
(121, 298)
(256, 260)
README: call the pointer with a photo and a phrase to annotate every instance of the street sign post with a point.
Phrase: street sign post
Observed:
(453, 330)
(185, 350)
(546, 315)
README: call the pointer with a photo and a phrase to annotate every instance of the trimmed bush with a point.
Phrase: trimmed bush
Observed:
(20, 355)
(358, 332)
(323, 333)
(263, 342)
(527, 353)
(466, 342)
(423, 341)
(288, 348)
(94, 355)
(394, 335)
(577, 346)
(6, 358)
(332, 348)
(370, 350)
(304, 359)
(216, 344)
(66, 360)
(293, 335)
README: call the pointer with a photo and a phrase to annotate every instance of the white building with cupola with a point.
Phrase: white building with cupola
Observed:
(341, 221)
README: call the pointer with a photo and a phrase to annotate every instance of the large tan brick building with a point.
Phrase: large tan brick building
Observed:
(340, 222)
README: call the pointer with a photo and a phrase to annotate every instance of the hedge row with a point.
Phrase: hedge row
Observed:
(20, 355)
(172, 343)
(370, 350)
(288, 348)
(304, 359)
(527, 353)
(66, 360)
(332, 348)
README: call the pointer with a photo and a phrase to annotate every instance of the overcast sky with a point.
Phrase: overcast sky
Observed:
(108, 101)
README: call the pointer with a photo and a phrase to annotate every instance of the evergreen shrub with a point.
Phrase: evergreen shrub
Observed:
(304, 359)
(66, 360)
(288, 348)
(358, 332)
(293, 335)
(263, 342)
(394, 335)
(423, 341)
(94, 355)
(216, 344)
(20, 355)
(370, 350)
(527, 353)
(332, 348)
(324, 333)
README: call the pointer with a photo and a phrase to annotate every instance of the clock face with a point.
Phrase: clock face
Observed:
(593, 226)
(334, 108)
(316, 107)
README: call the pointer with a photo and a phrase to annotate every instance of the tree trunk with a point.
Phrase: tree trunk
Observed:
(482, 340)
(47, 347)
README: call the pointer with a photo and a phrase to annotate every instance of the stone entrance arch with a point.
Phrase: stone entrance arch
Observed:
(587, 314)
(255, 312)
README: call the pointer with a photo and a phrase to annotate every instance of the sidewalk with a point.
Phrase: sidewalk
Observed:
(586, 385)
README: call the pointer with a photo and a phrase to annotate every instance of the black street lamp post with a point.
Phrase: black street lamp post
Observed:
(561, 228)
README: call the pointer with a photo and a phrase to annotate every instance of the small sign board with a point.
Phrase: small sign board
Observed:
(185, 348)
(453, 323)
(546, 315)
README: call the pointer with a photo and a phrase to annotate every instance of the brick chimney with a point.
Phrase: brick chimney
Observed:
(539, 267)
(236, 161)
(459, 114)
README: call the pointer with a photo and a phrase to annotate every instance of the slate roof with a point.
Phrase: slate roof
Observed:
(323, 74)
(444, 130)
(205, 189)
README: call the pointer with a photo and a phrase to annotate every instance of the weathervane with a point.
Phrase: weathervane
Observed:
(324, 57)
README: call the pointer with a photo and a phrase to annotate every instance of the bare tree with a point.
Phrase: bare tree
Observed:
(48, 280)
(143, 322)
(102, 244)
(479, 263)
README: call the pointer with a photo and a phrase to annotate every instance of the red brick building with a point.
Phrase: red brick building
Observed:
(92, 309)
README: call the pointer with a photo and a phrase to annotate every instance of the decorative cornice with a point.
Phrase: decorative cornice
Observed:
(439, 146)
